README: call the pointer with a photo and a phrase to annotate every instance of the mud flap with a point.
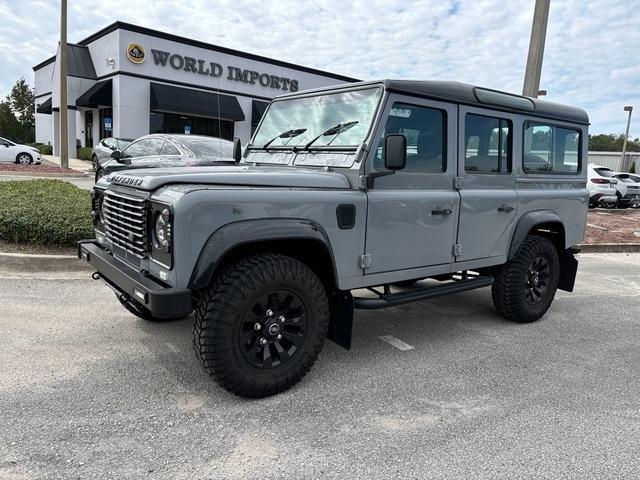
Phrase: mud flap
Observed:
(341, 322)
(568, 270)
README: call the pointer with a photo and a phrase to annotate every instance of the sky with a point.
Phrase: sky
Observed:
(592, 53)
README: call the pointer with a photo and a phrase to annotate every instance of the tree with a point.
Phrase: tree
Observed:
(612, 143)
(9, 124)
(23, 105)
(17, 114)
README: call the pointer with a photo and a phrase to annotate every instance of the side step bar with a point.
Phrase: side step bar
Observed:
(388, 299)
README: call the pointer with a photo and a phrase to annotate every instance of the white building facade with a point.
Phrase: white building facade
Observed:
(127, 81)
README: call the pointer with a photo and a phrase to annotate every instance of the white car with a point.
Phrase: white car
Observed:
(16, 153)
(601, 186)
(628, 190)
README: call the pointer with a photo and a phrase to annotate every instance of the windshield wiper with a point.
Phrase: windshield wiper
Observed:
(286, 134)
(335, 130)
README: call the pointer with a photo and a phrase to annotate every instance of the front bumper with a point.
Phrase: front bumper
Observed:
(161, 301)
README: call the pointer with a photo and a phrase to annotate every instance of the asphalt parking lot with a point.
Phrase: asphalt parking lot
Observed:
(89, 391)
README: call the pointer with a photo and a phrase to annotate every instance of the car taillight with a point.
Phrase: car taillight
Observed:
(599, 180)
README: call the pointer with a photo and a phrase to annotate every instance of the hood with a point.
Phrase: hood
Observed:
(245, 175)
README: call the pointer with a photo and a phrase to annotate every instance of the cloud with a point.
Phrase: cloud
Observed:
(590, 58)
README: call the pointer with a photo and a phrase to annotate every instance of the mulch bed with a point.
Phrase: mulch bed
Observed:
(13, 168)
(607, 226)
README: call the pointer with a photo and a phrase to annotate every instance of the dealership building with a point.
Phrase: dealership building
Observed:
(128, 81)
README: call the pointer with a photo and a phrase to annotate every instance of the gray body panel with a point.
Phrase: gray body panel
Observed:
(394, 222)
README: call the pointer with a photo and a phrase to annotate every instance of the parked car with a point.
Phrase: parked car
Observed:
(627, 190)
(105, 147)
(345, 188)
(601, 186)
(16, 153)
(168, 150)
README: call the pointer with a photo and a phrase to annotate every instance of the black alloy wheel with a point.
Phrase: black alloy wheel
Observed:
(273, 330)
(537, 281)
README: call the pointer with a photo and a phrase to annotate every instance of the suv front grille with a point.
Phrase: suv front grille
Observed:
(125, 222)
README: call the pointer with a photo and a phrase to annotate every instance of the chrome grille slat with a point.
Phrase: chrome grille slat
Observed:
(123, 210)
(123, 233)
(124, 219)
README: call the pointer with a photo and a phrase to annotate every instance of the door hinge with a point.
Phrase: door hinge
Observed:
(457, 250)
(457, 183)
(365, 260)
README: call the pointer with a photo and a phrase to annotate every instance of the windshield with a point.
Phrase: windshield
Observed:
(322, 116)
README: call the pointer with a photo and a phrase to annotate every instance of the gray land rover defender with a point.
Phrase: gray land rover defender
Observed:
(367, 195)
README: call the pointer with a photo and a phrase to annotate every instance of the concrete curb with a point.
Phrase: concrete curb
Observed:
(25, 262)
(611, 248)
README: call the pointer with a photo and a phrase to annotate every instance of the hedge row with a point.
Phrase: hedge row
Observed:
(43, 148)
(44, 212)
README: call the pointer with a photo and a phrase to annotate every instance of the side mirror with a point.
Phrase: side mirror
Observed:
(395, 147)
(115, 154)
(237, 150)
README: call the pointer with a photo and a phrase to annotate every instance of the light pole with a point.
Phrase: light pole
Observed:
(625, 166)
(532, 75)
(62, 68)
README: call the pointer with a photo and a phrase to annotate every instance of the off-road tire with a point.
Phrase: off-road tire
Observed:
(509, 290)
(99, 174)
(143, 313)
(222, 314)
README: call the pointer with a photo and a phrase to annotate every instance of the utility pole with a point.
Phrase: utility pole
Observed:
(536, 49)
(62, 67)
(625, 166)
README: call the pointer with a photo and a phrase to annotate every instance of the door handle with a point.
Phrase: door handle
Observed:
(505, 208)
(441, 211)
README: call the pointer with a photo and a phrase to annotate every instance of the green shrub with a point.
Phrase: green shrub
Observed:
(84, 153)
(44, 212)
(47, 150)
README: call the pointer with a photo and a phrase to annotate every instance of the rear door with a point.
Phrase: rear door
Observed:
(487, 188)
(412, 215)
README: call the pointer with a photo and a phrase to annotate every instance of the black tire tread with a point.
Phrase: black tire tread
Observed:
(507, 290)
(216, 311)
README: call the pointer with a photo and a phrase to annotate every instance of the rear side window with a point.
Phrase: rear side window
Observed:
(551, 149)
(424, 129)
(604, 172)
(487, 144)
(169, 149)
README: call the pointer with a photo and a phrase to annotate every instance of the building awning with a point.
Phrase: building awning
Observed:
(99, 95)
(45, 107)
(257, 111)
(167, 98)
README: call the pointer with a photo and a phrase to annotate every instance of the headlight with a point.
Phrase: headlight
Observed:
(162, 230)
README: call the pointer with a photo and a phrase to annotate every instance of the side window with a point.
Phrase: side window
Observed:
(550, 149)
(424, 129)
(136, 149)
(109, 143)
(169, 149)
(153, 146)
(487, 144)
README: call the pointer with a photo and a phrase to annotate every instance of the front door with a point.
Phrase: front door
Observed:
(412, 214)
(88, 129)
(488, 196)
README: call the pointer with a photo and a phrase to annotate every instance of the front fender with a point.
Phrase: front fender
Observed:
(244, 232)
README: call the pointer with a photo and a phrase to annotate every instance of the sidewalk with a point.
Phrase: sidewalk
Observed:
(74, 163)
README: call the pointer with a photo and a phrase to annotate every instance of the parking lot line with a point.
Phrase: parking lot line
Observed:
(396, 342)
